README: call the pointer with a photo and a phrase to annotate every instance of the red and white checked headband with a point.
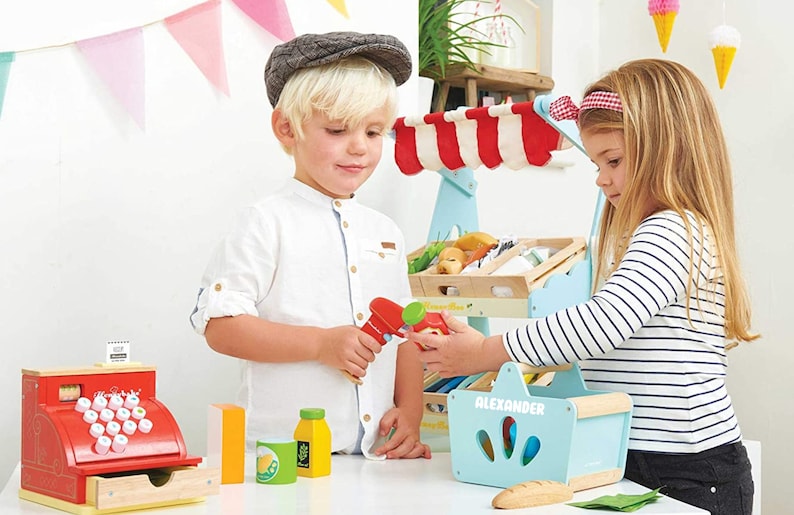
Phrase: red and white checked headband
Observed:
(564, 109)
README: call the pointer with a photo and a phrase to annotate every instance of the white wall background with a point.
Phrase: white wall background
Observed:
(105, 229)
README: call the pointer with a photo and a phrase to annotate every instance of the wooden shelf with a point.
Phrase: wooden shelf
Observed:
(506, 81)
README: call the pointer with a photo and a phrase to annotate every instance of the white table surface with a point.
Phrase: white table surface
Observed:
(360, 486)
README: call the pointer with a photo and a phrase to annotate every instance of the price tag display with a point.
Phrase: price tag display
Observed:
(118, 351)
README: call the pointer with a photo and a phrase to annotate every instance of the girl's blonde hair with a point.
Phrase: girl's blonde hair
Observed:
(676, 159)
(347, 90)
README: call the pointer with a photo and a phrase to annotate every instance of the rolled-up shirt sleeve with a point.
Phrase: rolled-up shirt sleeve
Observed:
(238, 275)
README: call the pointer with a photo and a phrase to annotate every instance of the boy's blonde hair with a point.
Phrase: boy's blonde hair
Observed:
(346, 90)
(676, 159)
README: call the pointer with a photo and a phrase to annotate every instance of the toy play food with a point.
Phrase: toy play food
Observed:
(479, 253)
(474, 240)
(314, 443)
(449, 267)
(453, 253)
(532, 493)
(422, 321)
(423, 261)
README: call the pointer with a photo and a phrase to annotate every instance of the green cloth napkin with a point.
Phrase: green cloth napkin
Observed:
(619, 502)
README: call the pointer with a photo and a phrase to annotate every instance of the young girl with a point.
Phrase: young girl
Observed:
(672, 298)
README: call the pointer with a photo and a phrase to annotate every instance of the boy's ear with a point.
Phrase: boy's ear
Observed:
(282, 128)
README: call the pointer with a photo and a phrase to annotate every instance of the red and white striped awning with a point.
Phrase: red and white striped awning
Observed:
(509, 134)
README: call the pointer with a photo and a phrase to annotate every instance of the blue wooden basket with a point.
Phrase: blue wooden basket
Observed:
(561, 432)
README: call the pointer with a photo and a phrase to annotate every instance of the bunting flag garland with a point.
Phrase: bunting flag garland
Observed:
(6, 58)
(509, 134)
(339, 5)
(118, 59)
(198, 32)
(271, 15)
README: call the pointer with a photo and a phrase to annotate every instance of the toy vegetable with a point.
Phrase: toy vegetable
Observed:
(423, 261)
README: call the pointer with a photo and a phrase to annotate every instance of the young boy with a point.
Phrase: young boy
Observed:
(289, 287)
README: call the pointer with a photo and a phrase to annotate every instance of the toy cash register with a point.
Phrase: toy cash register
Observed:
(97, 440)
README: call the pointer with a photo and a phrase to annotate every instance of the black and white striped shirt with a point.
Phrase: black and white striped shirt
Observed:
(634, 336)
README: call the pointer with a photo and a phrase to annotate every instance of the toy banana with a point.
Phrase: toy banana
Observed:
(474, 240)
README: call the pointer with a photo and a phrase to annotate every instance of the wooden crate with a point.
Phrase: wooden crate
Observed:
(483, 284)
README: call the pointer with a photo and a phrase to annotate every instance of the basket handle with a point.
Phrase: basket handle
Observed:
(526, 368)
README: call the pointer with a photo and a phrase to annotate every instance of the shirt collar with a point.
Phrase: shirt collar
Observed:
(312, 195)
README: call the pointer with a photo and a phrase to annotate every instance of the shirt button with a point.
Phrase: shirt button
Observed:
(367, 418)
(360, 316)
(337, 203)
(345, 225)
(353, 269)
(713, 489)
(381, 255)
(218, 287)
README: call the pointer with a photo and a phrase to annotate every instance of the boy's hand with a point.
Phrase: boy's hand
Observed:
(404, 442)
(348, 348)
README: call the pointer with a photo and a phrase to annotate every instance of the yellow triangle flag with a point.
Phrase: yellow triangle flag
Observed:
(339, 5)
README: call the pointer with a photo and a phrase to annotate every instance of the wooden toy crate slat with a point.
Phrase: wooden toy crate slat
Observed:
(483, 284)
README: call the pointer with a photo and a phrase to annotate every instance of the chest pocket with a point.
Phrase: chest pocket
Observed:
(376, 251)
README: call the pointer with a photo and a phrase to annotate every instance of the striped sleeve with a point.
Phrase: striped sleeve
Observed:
(652, 274)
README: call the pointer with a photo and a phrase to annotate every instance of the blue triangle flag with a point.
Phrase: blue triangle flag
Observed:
(6, 58)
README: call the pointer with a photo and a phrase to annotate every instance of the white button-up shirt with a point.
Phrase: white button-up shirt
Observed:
(300, 257)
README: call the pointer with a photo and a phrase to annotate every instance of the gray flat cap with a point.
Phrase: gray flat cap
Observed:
(310, 50)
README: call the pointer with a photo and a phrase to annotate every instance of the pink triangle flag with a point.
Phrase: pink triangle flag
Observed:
(6, 58)
(198, 32)
(118, 59)
(271, 15)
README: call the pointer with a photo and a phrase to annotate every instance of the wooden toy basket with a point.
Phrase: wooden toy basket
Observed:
(513, 295)
(560, 432)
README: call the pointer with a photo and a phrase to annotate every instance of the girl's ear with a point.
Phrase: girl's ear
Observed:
(282, 128)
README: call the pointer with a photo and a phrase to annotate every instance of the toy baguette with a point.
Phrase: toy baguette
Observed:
(532, 493)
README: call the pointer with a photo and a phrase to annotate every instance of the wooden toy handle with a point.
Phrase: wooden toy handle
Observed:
(351, 377)
(529, 369)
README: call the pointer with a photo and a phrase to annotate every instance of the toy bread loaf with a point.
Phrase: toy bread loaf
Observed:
(532, 493)
(449, 266)
(451, 260)
(453, 253)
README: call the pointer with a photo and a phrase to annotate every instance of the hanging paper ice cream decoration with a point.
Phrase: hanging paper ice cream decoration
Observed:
(724, 40)
(664, 13)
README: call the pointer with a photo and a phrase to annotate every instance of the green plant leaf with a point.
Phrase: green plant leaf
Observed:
(444, 39)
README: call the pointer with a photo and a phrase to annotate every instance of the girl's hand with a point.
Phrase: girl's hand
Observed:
(464, 351)
(348, 348)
